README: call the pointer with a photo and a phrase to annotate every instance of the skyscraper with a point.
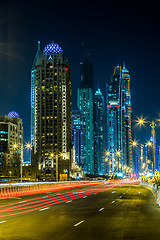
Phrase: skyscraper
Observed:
(51, 111)
(78, 136)
(114, 122)
(119, 122)
(99, 132)
(126, 115)
(85, 104)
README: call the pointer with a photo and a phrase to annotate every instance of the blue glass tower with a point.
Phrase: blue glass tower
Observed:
(78, 136)
(99, 132)
(114, 123)
(85, 104)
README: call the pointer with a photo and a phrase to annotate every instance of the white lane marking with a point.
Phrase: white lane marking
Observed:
(101, 209)
(69, 201)
(75, 225)
(2, 221)
(43, 209)
(22, 201)
(113, 201)
(84, 196)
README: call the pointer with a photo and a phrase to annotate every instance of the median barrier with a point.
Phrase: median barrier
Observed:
(150, 185)
(155, 188)
(24, 189)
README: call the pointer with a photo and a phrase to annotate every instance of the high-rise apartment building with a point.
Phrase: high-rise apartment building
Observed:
(11, 145)
(51, 111)
(85, 104)
(99, 133)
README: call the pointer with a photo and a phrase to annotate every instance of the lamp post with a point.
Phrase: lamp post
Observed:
(56, 155)
(106, 160)
(115, 154)
(142, 122)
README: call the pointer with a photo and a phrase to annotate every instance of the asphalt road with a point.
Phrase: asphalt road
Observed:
(102, 212)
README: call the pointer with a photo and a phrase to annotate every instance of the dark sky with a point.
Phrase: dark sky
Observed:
(112, 32)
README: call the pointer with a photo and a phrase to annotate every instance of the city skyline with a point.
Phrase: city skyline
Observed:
(136, 23)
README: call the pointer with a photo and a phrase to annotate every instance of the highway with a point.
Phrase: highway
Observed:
(112, 211)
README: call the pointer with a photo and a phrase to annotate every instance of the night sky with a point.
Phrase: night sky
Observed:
(111, 32)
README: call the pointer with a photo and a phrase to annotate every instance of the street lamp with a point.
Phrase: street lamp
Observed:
(15, 146)
(28, 146)
(56, 155)
(142, 122)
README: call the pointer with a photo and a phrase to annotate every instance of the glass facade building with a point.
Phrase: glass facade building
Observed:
(78, 136)
(85, 104)
(99, 133)
(119, 138)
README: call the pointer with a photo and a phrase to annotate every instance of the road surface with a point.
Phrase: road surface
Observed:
(101, 212)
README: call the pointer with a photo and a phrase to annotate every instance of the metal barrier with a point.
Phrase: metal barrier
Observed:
(30, 188)
(154, 187)
(24, 189)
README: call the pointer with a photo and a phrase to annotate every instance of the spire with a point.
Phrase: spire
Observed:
(39, 46)
(124, 65)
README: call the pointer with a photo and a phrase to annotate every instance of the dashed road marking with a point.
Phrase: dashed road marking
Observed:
(2, 221)
(43, 209)
(75, 225)
(69, 201)
(101, 209)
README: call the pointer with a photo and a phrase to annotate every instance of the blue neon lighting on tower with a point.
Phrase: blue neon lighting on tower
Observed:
(13, 114)
(52, 49)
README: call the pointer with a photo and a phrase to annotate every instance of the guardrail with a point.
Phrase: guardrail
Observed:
(31, 188)
(154, 187)
(24, 189)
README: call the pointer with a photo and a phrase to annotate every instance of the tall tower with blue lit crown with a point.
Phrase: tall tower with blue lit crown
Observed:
(51, 111)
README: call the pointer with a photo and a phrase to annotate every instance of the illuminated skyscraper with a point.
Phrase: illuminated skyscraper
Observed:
(99, 131)
(119, 122)
(85, 104)
(126, 115)
(114, 122)
(78, 136)
(51, 114)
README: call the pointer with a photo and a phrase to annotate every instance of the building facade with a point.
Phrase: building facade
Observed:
(78, 136)
(51, 112)
(127, 121)
(11, 145)
(99, 133)
(119, 143)
(85, 104)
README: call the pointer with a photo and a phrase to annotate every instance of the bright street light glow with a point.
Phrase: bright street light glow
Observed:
(134, 143)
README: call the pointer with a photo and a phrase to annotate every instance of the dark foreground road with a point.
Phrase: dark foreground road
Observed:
(125, 212)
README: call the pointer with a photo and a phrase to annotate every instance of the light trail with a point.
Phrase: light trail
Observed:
(50, 200)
